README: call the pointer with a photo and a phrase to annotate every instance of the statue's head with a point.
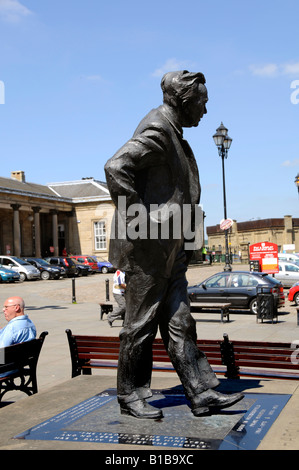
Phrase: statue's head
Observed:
(187, 94)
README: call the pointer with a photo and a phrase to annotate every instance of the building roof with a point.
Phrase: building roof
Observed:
(254, 225)
(84, 190)
(81, 190)
(15, 186)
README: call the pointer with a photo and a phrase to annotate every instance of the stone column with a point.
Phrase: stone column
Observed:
(55, 231)
(37, 231)
(16, 230)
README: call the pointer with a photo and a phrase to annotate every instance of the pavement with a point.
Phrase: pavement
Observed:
(51, 307)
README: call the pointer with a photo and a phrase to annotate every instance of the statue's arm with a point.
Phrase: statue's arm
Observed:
(146, 149)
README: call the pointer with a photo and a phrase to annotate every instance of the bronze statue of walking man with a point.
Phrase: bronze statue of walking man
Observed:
(155, 173)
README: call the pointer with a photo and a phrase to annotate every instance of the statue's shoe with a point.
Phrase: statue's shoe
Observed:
(140, 409)
(210, 400)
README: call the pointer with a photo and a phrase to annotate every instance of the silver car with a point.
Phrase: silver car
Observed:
(25, 269)
(288, 273)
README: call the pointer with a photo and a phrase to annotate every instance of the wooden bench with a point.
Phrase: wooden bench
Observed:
(88, 352)
(275, 360)
(21, 358)
(106, 307)
(224, 307)
(231, 358)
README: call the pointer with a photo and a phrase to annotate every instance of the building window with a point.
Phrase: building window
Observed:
(100, 240)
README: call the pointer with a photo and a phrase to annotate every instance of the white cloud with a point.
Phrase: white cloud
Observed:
(291, 69)
(267, 70)
(289, 163)
(13, 11)
(171, 65)
(273, 70)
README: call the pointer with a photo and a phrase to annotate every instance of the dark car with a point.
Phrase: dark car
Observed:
(46, 270)
(239, 288)
(82, 269)
(65, 262)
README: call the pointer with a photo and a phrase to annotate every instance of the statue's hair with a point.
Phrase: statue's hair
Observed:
(179, 86)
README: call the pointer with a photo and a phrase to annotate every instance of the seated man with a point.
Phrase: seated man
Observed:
(19, 328)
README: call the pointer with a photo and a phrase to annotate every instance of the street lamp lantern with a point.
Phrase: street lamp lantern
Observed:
(297, 181)
(222, 129)
(223, 143)
(218, 139)
(227, 143)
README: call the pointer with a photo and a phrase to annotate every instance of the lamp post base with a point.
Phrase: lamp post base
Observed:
(227, 267)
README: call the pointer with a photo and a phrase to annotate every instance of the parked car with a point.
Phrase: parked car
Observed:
(239, 288)
(291, 257)
(63, 261)
(88, 261)
(46, 270)
(25, 269)
(8, 275)
(104, 266)
(294, 293)
(82, 269)
(288, 273)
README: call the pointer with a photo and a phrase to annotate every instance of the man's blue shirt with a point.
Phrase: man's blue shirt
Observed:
(17, 330)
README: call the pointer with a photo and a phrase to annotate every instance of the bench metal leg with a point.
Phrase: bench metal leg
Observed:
(224, 313)
(105, 309)
(228, 358)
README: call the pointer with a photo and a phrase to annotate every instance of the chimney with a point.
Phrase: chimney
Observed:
(18, 175)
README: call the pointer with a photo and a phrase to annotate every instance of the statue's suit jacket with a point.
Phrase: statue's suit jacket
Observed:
(156, 166)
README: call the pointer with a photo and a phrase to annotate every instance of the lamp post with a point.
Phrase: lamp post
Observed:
(223, 142)
(297, 181)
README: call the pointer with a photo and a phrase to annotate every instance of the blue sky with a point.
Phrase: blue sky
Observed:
(76, 77)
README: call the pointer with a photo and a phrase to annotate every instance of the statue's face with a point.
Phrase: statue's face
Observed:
(195, 108)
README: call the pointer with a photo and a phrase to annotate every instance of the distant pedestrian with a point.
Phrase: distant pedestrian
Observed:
(119, 288)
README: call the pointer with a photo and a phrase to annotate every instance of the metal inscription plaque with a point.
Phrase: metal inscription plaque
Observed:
(98, 420)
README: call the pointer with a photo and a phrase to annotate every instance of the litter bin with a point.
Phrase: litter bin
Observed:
(254, 265)
(266, 307)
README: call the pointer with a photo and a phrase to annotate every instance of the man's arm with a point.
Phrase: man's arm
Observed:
(5, 336)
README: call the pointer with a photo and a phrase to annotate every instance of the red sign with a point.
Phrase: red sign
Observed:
(267, 254)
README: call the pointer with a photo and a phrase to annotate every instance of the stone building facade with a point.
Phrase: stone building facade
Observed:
(284, 232)
(92, 215)
(38, 220)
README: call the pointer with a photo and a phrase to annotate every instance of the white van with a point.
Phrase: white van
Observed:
(288, 257)
(25, 269)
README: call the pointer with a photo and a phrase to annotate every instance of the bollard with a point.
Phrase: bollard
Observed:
(297, 316)
(107, 290)
(73, 291)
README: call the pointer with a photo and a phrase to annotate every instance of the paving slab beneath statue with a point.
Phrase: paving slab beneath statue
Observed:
(98, 420)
